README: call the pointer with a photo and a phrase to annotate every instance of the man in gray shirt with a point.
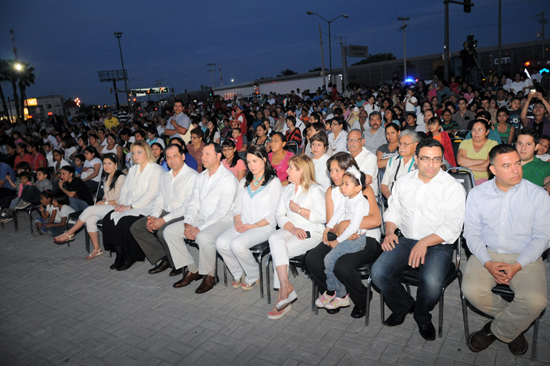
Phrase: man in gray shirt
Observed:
(463, 116)
(374, 135)
(179, 123)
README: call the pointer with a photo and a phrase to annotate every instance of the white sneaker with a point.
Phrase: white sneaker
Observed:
(338, 302)
(324, 300)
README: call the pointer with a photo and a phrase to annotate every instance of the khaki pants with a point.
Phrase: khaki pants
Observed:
(528, 284)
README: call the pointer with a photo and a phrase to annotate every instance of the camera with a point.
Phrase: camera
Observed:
(472, 43)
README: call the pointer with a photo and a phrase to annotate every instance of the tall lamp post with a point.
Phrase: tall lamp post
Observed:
(118, 35)
(402, 28)
(329, 38)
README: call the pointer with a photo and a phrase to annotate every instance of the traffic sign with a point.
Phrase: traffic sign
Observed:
(358, 51)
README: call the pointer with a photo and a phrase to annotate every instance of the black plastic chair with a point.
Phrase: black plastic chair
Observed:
(28, 211)
(293, 146)
(259, 252)
(294, 264)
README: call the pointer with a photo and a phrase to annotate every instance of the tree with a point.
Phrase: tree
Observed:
(26, 79)
(287, 72)
(3, 78)
(377, 57)
(316, 69)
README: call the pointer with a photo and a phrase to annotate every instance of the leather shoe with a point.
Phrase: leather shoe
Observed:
(163, 266)
(187, 279)
(358, 313)
(394, 320)
(482, 339)
(126, 264)
(206, 285)
(175, 272)
(518, 346)
(427, 331)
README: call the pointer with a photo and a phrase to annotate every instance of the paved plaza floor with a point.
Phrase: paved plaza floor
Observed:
(57, 308)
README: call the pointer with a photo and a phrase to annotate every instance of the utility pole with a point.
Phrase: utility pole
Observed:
(322, 57)
(221, 77)
(447, 54)
(402, 28)
(15, 48)
(212, 72)
(158, 83)
(344, 65)
(542, 21)
(499, 36)
(118, 35)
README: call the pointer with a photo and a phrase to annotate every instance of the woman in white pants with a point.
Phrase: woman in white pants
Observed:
(254, 218)
(301, 216)
(112, 185)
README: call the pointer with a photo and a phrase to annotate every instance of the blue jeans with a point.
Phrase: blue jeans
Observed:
(387, 268)
(345, 247)
(77, 204)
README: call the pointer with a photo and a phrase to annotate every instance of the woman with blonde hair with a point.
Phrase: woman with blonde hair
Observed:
(140, 188)
(301, 216)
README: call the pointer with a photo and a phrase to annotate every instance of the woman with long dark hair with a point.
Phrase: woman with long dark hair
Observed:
(112, 184)
(233, 161)
(91, 173)
(212, 133)
(253, 216)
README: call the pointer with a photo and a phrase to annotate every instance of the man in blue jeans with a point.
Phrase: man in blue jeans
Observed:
(427, 205)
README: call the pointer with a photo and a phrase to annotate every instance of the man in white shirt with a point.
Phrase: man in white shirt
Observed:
(366, 160)
(507, 231)
(169, 207)
(427, 205)
(179, 123)
(405, 163)
(207, 215)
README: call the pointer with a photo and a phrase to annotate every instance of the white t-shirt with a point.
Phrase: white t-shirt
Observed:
(65, 211)
(90, 164)
(409, 106)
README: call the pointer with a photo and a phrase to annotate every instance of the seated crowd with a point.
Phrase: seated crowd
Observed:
(227, 177)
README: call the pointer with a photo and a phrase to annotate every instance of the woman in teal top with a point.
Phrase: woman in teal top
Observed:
(506, 132)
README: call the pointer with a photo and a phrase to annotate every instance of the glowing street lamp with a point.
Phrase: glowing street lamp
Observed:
(18, 66)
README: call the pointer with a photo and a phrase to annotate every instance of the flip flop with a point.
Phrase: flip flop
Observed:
(290, 299)
(278, 316)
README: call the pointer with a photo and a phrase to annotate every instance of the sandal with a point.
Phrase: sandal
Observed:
(94, 253)
(237, 283)
(69, 238)
(248, 286)
(279, 314)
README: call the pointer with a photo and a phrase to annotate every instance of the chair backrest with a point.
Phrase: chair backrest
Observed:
(465, 176)
(455, 142)
(293, 146)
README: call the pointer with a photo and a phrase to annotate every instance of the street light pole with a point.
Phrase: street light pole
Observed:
(329, 38)
(402, 28)
(118, 35)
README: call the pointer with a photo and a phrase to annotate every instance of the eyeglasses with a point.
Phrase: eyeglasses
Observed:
(227, 149)
(354, 140)
(334, 123)
(426, 159)
(276, 141)
(404, 144)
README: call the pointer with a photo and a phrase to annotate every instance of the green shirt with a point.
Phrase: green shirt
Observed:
(536, 171)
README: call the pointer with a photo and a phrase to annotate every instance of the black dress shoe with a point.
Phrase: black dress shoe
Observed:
(358, 313)
(482, 339)
(126, 264)
(117, 263)
(207, 284)
(175, 272)
(163, 266)
(187, 279)
(519, 345)
(394, 320)
(427, 331)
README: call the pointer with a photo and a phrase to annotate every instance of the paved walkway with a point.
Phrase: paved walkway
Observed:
(57, 308)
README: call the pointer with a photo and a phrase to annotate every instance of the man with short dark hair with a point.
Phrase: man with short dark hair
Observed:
(506, 229)
(207, 215)
(463, 116)
(427, 205)
(540, 121)
(78, 192)
(374, 135)
(176, 187)
(179, 123)
(534, 170)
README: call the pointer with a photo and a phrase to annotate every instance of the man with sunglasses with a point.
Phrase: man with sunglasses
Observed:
(427, 206)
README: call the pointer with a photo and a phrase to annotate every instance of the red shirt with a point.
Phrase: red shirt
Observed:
(18, 159)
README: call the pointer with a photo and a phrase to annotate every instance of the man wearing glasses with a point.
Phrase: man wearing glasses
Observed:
(427, 206)
(366, 160)
(405, 163)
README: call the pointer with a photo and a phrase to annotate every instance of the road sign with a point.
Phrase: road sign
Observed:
(358, 51)
(145, 91)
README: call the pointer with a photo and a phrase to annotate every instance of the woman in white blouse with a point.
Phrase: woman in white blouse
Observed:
(300, 214)
(140, 188)
(254, 218)
(319, 144)
(338, 138)
(112, 185)
(91, 173)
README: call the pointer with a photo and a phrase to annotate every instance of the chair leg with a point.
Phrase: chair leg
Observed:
(261, 277)
(15, 222)
(313, 295)
(534, 342)
(382, 309)
(86, 239)
(224, 274)
(441, 305)
(367, 307)
(268, 279)
(465, 316)
(30, 220)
